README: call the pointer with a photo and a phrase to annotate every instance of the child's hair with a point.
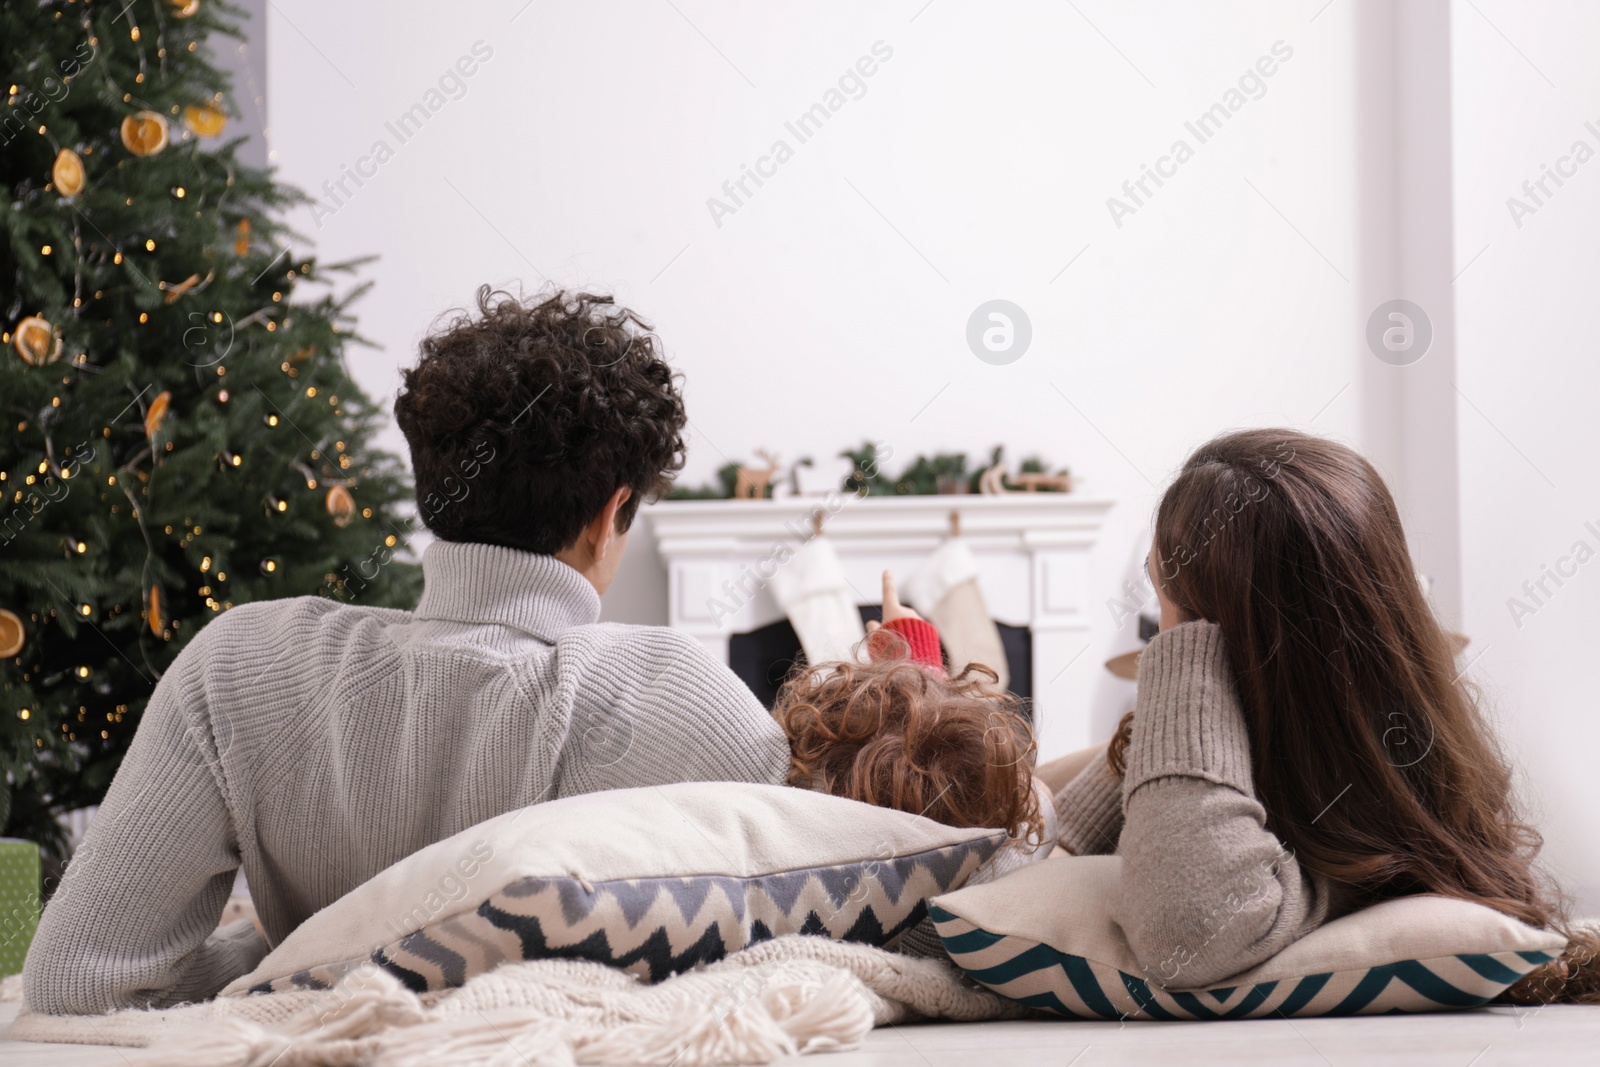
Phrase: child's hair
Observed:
(1358, 720)
(894, 734)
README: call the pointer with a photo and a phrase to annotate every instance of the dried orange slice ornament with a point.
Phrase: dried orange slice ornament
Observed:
(12, 635)
(204, 120)
(145, 133)
(67, 173)
(158, 412)
(341, 505)
(36, 341)
(175, 290)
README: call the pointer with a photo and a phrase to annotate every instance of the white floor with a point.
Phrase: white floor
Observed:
(1493, 1037)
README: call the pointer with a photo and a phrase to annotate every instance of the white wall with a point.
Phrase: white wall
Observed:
(1525, 85)
(833, 304)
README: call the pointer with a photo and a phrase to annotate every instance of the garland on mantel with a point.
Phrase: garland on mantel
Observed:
(942, 474)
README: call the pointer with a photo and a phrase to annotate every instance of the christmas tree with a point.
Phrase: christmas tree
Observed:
(180, 433)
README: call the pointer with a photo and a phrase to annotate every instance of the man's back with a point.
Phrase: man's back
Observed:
(315, 743)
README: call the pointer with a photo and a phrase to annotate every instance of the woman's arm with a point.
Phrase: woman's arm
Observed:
(1063, 769)
(1089, 809)
(1207, 890)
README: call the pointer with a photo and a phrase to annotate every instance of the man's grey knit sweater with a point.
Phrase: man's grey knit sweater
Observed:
(315, 743)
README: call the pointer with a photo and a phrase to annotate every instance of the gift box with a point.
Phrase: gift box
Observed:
(19, 901)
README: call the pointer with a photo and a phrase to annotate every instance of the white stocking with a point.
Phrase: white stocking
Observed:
(812, 590)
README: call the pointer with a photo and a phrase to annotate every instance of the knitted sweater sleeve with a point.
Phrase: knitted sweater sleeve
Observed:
(134, 919)
(1207, 890)
(1089, 810)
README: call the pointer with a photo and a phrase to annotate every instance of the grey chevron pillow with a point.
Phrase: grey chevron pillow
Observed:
(653, 880)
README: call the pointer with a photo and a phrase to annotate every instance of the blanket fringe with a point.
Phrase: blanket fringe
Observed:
(340, 1033)
(790, 996)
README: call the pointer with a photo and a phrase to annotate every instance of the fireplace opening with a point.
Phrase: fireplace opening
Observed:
(765, 656)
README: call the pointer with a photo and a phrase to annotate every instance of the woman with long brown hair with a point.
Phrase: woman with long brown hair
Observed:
(1303, 744)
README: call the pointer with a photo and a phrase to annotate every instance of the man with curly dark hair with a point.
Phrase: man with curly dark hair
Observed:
(532, 422)
(313, 742)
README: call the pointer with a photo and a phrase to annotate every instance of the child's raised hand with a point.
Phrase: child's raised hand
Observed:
(892, 608)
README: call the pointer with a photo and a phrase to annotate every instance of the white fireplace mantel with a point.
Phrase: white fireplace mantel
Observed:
(1032, 550)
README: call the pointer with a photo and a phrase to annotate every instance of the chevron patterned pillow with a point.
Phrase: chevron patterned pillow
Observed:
(1044, 937)
(653, 880)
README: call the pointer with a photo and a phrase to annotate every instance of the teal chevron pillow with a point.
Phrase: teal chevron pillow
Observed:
(653, 880)
(1044, 937)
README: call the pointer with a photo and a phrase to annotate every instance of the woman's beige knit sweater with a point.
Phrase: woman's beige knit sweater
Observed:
(1207, 890)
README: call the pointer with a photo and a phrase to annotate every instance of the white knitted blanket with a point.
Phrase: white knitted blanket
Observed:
(792, 995)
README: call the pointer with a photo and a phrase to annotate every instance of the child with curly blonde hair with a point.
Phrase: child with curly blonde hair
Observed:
(899, 731)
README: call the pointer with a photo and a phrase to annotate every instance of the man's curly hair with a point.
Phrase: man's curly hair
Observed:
(894, 734)
(525, 418)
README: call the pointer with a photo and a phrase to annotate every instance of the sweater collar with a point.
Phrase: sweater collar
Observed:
(477, 583)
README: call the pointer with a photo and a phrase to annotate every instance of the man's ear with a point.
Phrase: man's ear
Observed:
(603, 530)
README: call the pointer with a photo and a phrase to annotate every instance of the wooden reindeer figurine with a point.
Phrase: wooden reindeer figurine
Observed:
(754, 482)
